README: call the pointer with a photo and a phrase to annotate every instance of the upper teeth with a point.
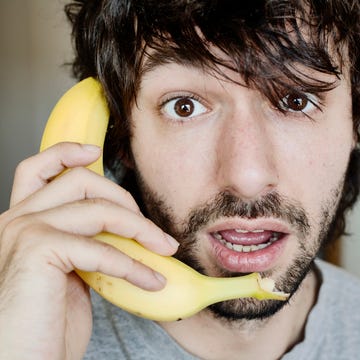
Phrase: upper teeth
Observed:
(246, 231)
(246, 248)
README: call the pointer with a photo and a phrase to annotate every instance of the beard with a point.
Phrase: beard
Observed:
(225, 205)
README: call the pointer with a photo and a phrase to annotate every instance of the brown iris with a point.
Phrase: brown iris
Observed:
(184, 107)
(296, 102)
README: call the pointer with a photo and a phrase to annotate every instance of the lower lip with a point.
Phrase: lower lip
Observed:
(255, 261)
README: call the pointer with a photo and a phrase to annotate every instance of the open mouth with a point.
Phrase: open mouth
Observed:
(249, 246)
(244, 241)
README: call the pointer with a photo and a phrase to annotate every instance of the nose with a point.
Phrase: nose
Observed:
(246, 155)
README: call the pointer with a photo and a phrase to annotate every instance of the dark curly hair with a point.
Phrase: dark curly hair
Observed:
(263, 38)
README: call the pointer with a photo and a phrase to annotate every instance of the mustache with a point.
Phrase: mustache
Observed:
(226, 205)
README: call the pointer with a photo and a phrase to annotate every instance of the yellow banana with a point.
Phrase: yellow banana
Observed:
(81, 115)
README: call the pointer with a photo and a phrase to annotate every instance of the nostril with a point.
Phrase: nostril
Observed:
(249, 189)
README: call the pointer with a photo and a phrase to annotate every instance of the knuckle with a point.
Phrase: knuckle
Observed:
(106, 250)
(127, 195)
(25, 226)
(130, 199)
(149, 225)
(24, 167)
(128, 267)
(114, 259)
(22, 233)
(107, 254)
(15, 226)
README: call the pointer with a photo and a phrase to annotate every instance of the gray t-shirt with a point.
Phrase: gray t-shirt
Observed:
(332, 331)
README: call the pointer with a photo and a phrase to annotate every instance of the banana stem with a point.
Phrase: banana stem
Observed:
(221, 289)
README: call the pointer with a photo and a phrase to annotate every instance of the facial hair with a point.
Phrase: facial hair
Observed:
(226, 205)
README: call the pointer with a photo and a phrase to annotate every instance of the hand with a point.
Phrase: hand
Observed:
(45, 310)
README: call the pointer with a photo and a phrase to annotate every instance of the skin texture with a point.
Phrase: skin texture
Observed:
(237, 145)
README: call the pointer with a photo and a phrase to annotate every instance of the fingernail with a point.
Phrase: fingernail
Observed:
(173, 243)
(91, 148)
(160, 277)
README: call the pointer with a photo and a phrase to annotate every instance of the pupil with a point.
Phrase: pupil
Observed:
(297, 102)
(184, 107)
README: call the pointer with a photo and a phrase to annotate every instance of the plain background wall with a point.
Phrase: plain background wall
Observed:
(35, 43)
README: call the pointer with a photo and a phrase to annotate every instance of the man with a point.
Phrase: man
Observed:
(234, 130)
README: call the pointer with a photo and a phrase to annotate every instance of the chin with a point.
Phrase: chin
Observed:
(246, 309)
(252, 309)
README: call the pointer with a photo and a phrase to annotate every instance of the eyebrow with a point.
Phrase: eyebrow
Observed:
(157, 58)
(160, 57)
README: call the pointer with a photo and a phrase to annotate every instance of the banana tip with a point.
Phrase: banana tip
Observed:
(268, 285)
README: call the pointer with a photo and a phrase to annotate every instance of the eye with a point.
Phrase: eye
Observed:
(299, 102)
(183, 107)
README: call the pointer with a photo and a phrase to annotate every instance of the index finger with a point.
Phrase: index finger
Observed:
(35, 172)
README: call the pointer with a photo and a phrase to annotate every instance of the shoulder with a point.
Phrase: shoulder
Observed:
(336, 279)
(339, 289)
(339, 298)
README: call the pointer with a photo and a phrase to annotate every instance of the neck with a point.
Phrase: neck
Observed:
(210, 338)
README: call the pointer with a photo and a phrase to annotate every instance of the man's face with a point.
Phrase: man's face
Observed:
(243, 187)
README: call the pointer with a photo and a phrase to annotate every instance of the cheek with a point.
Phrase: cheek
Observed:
(176, 169)
(329, 161)
(319, 170)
